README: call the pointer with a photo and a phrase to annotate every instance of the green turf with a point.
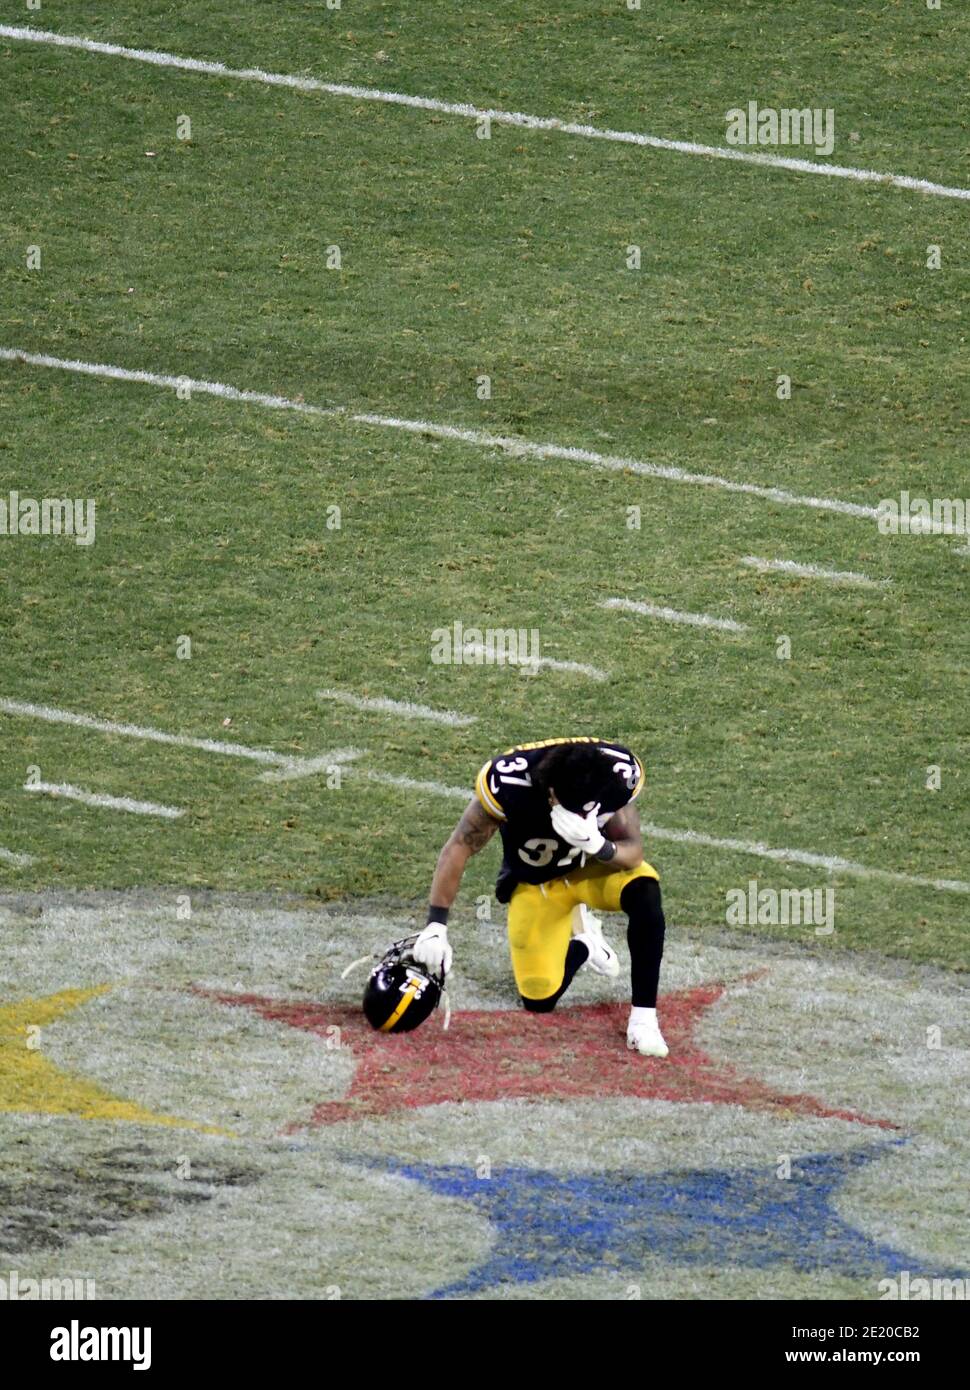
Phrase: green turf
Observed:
(506, 257)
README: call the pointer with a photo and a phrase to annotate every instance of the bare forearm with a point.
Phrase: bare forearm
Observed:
(471, 834)
(448, 874)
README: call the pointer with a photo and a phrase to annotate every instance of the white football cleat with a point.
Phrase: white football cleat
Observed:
(643, 1034)
(587, 928)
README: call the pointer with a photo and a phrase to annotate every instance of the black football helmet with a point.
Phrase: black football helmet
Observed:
(400, 995)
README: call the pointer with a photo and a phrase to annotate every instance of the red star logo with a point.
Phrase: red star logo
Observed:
(572, 1054)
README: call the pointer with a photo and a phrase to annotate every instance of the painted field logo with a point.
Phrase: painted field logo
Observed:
(907, 1289)
(13, 1289)
(491, 646)
(923, 516)
(781, 907)
(76, 1343)
(767, 125)
(49, 516)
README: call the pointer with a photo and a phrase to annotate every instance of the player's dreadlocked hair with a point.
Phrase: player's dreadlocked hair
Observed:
(576, 772)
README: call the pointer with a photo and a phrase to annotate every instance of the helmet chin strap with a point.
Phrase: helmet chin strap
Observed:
(374, 955)
(354, 965)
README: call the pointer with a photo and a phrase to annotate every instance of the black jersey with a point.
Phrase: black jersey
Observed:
(533, 852)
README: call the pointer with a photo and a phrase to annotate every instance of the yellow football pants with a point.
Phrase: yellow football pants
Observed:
(541, 921)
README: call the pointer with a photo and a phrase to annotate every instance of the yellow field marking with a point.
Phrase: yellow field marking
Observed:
(31, 1084)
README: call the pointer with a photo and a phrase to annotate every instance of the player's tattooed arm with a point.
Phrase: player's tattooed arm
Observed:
(624, 830)
(471, 834)
(475, 828)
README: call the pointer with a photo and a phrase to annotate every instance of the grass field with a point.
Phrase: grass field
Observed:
(212, 258)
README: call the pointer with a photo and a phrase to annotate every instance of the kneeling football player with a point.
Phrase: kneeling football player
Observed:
(571, 837)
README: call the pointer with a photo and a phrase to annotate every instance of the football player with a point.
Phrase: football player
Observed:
(571, 836)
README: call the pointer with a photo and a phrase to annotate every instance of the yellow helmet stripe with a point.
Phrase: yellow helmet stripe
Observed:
(401, 1009)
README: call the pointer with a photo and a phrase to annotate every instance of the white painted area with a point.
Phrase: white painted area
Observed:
(549, 663)
(310, 767)
(19, 861)
(829, 862)
(404, 709)
(470, 112)
(142, 732)
(800, 571)
(108, 803)
(672, 615)
(481, 439)
(106, 372)
(410, 784)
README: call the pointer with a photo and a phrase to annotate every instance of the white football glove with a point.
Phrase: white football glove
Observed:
(581, 832)
(432, 950)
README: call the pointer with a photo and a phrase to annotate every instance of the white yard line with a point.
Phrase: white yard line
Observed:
(10, 856)
(309, 767)
(864, 581)
(108, 803)
(521, 448)
(529, 664)
(402, 708)
(480, 439)
(300, 766)
(831, 863)
(672, 615)
(410, 784)
(497, 117)
(204, 388)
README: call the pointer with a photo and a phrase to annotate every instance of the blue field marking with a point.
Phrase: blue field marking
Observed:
(549, 1225)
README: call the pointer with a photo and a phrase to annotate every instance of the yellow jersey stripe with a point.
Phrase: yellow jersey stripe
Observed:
(548, 742)
(485, 796)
